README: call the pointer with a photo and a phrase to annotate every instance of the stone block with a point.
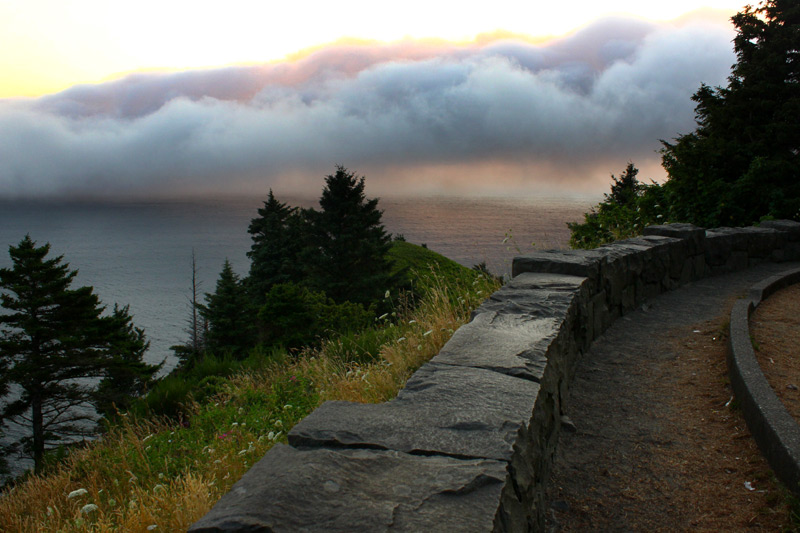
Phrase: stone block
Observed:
(693, 236)
(582, 263)
(719, 246)
(536, 295)
(738, 260)
(443, 409)
(359, 490)
(789, 227)
(513, 344)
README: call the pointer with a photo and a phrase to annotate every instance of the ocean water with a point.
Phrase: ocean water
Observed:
(139, 253)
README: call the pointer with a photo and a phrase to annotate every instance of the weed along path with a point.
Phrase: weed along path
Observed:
(657, 443)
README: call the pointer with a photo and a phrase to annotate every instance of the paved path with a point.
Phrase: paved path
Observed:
(629, 458)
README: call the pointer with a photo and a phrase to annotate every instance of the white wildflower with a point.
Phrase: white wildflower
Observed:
(152, 527)
(242, 452)
(147, 438)
(76, 493)
(427, 333)
(88, 508)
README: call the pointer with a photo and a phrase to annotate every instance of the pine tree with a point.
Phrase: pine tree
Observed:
(347, 256)
(230, 315)
(278, 235)
(55, 346)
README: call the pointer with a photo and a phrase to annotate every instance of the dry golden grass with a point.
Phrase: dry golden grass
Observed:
(129, 478)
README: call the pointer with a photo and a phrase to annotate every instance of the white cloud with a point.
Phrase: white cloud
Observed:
(600, 97)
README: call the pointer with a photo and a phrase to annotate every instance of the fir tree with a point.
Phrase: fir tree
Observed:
(55, 346)
(347, 256)
(229, 314)
(278, 235)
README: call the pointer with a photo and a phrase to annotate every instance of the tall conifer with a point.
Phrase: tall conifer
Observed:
(55, 346)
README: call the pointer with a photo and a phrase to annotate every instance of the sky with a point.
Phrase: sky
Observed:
(102, 98)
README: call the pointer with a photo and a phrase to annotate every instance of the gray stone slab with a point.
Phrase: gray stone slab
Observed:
(512, 344)
(443, 409)
(583, 263)
(789, 227)
(693, 235)
(534, 294)
(359, 490)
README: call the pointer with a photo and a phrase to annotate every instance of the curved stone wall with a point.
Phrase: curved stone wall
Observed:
(774, 429)
(468, 443)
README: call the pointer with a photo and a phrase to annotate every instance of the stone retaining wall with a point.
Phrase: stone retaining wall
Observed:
(774, 429)
(468, 443)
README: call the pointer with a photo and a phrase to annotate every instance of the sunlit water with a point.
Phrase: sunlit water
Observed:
(139, 253)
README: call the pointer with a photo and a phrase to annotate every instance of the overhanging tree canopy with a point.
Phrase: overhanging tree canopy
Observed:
(743, 160)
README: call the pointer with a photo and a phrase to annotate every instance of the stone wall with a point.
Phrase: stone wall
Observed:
(468, 443)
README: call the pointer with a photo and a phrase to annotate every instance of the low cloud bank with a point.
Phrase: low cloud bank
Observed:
(555, 114)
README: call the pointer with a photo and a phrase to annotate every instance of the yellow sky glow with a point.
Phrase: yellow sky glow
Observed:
(49, 45)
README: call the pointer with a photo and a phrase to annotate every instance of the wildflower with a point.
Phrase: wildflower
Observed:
(242, 452)
(384, 315)
(88, 508)
(152, 527)
(271, 435)
(278, 423)
(222, 436)
(386, 295)
(76, 493)
(412, 321)
(241, 410)
(161, 475)
(234, 424)
(147, 438)
(427, 333)
(401, 339)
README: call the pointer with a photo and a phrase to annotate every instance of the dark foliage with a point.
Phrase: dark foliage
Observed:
(742, 163)
(55, 345)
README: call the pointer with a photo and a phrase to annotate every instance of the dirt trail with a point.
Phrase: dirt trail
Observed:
(659, 445)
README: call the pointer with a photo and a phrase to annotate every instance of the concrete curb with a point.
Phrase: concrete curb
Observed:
(775, 431)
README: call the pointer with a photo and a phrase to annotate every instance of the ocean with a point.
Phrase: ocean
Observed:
(139, 253)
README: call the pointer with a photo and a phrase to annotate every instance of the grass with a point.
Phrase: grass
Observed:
(157, 475)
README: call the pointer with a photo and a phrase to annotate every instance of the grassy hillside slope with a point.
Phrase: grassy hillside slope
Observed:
(162, 475)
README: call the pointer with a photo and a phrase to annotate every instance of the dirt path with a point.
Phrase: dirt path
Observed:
(659, 445)
(775, 326)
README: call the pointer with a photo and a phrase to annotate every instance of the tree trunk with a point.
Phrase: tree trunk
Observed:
(38, 431)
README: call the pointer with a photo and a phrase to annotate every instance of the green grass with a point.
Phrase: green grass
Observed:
(166, 473)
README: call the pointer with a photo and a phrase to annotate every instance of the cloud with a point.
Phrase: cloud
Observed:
(553, 114)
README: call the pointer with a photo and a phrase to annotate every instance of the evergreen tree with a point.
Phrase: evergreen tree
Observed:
(55, 345)
(347, 257)
(743, 160)
(278, 237)
(127, 376)
(229, 314)
(625, 189)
